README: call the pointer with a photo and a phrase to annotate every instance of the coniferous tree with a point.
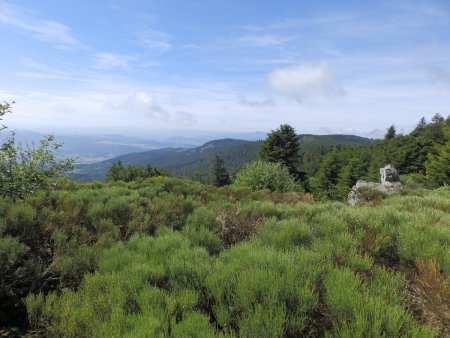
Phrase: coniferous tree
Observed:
(116, 172)
(438, 164)
(438, 167)
(421, 126)
(219, 174)
(436, 130)
(390, 133)
(132, 172)
(437, 118)
(328, 174)
(281, 146)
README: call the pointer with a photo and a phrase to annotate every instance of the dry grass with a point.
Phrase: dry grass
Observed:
(291, 197)
(236, 226)
(430, 295)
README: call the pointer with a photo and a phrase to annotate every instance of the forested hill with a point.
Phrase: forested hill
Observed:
(187, 162)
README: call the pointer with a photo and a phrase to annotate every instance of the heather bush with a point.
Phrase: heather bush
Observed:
(22, 223)
(285, 234)
(170, 210)
(260, 291)
(156, 279)
(204, 229)
(139, 259)
(11, 250)
(358, 313)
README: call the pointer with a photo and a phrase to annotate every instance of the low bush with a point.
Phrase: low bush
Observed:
(360, 314)
(150, 258)
(261, 175)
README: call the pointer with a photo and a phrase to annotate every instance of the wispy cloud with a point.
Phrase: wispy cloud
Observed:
(405, 17)
(305, 81)
(152, 39)
(37, 70)
(111, 60)
(45, 30)
(185, 118)
(261, 40)
(142, 103)
(244, 101)
(439, 74)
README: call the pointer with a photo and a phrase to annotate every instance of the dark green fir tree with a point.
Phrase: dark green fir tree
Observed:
(281, 146)
(219, 174)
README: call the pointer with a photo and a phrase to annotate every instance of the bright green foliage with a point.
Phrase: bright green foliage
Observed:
(438, 167)
(263, 292)
(286, 234)
(153, 280)
(203, 229)
(281, 146)
(260, 175)
(173, 258)
(219, 174)
(361, 314)
(341, 167)
(11, 250)
(24, 170)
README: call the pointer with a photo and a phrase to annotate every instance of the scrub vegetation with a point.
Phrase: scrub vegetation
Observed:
(172, 257)
(146, 255)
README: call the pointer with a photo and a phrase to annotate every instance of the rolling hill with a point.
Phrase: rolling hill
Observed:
(188, 162)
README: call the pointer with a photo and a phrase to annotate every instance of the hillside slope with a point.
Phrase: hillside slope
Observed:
(186, 162)
(169, 257)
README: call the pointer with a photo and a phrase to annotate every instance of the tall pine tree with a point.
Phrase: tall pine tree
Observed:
(281, 146)
(390, 133)
(219, 174)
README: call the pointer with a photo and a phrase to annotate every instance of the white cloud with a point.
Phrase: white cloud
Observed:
(151, 39)
(263, 40)
(305, 81)
(143, 103)
(244, 101)
(185, 118)
(348, 131)
(45, 30)
(112, 60)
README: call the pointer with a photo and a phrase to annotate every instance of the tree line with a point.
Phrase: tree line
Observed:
(421, 157)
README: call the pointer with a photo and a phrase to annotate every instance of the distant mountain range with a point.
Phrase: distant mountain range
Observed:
(91, 149)
(187, 162)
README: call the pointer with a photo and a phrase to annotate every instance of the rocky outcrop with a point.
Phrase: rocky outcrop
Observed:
(363, 191)
(390, 181)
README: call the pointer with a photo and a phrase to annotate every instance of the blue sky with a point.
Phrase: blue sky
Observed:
(163, 66)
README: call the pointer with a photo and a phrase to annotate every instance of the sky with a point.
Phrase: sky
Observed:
(148, 67)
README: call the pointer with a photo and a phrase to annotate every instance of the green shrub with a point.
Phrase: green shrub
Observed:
(258, 290)
(139, 259)
(194, 325)
(370, 195)
(260, 175)
(170, 211)
(285, 234)
(357, 313)
(11, 250)
(22, 223)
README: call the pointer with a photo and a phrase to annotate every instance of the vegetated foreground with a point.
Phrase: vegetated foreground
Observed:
(172, 257)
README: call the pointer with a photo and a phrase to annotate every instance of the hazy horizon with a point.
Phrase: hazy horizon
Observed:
(186, 68)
